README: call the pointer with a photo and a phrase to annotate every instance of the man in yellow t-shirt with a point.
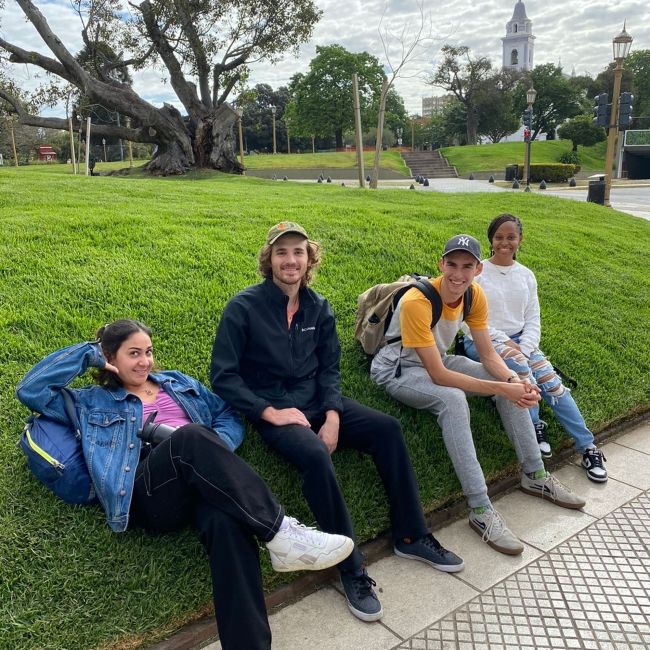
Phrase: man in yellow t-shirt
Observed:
(416, 369)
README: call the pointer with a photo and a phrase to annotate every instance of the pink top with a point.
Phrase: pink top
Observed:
(168, 411)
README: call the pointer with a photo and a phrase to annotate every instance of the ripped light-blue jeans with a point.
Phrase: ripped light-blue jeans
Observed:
(539, 370)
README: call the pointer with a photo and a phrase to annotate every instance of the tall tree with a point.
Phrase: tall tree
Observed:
(557, 98)
(463, 76)
(205, 48)
(638, 62)
(581, 130)
(495, 105)
(321, 101)
(257, 120)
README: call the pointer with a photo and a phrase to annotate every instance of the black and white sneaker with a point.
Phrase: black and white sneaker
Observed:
(360, 595)
(428, 549)
(592, 461)
(542, 440)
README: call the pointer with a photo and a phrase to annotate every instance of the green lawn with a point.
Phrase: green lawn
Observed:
(334, 160)
(389, 160)
(78, 252)
(489, 157)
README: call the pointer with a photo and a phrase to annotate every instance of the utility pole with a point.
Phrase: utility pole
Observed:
(13, 144)
(72, 156)
(357, 124)
(88, 146)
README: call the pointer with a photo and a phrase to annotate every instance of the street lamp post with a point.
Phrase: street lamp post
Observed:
(621, 48)
(531, 94)
(273, 109)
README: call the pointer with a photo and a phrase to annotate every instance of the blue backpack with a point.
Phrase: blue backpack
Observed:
(55, 457)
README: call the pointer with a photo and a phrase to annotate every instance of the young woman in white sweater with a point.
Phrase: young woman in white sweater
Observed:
(511, 290)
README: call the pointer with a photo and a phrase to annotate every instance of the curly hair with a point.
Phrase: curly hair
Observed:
(499, 221)
(110, 337)
(313, 260)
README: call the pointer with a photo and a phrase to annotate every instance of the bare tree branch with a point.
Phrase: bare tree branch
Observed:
(18, 55)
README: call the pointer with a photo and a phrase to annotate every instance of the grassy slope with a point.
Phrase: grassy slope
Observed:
(78, 252)
(488, 157)
(389, 160)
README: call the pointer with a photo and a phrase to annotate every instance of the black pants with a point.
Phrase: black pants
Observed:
(363, 429)
(193, 477)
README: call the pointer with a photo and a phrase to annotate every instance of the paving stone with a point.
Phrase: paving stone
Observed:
(616, 549)
(638, 439)
(414, 594)
(538, 522)
(627, 465)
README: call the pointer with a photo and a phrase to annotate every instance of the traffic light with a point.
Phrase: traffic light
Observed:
(625, 111)
(602, 110)
(528, 117)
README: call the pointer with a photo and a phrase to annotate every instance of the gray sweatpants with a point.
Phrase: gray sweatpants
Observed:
(415, 388)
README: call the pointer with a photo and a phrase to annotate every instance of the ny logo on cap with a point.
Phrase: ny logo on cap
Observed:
(463, 241)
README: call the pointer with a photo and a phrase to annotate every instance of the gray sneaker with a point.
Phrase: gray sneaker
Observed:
(492, 528)
(551, 489)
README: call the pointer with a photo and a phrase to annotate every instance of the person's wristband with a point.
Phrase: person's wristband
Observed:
(512, 378)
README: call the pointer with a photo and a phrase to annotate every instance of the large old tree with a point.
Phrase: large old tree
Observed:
(203, 47)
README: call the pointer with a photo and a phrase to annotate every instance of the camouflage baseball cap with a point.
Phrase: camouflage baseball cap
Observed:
(284, 228)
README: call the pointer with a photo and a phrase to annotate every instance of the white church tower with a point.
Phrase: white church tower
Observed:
(518, 43)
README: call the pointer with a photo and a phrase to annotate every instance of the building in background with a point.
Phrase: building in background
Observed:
(519, 42)
(46, 153)
(433, 105)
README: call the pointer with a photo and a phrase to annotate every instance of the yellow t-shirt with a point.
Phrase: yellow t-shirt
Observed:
(415, 313)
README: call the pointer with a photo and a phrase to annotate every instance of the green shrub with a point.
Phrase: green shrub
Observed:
(552, 172)
(570, 158)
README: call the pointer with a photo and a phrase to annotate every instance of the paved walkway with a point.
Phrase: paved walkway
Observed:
(621, 198)
(583, 580)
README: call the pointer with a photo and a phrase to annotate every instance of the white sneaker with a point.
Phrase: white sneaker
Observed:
(296, 547)
(551, 489)
(492, 528)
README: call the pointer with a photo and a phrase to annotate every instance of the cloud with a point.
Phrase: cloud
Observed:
(579, 35)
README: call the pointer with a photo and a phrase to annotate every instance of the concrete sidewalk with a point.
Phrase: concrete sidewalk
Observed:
(583, 580)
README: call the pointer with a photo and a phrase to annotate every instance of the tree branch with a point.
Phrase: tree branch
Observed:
(185, 91)
(18, 55)
(24, 117)
(202, 66)
(74, 70)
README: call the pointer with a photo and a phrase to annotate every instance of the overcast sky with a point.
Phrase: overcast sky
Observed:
(578, 34)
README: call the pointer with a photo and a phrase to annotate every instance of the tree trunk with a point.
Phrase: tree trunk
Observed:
(210, 146)
(472, 125)
(215, 141)
(339, 138)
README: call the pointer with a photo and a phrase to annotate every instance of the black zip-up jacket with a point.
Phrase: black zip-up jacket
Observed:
(258, 362)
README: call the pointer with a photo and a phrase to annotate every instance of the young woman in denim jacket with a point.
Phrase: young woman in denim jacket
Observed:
(191, 477)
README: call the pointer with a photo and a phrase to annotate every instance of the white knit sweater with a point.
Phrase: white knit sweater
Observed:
(512, 302)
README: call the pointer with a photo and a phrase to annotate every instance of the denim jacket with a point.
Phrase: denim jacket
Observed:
(110, 417)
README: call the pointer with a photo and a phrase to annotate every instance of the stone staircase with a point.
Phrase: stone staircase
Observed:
(429, 164)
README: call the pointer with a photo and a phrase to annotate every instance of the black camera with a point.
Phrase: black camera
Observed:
(153, 433)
